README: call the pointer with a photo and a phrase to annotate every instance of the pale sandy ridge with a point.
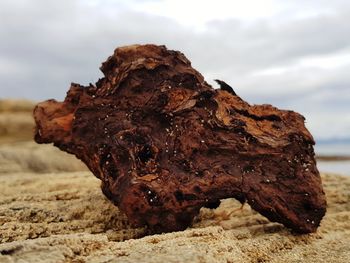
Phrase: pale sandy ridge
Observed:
(63, 217)
(16, 121)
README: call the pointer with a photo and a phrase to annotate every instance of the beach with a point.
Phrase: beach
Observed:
(52, 210)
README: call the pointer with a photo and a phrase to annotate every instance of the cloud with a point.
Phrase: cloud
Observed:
(297, 56)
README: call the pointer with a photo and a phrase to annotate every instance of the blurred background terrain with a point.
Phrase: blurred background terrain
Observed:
(18, 151)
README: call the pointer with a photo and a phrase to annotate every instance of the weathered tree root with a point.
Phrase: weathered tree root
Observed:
(165, 143)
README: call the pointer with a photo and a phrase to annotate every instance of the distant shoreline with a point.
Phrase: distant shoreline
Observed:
(332, 158)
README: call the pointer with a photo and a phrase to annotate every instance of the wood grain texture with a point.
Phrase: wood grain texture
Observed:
(164, 143)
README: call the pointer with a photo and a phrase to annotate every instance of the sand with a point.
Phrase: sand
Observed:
(63, 217)
(52, 210)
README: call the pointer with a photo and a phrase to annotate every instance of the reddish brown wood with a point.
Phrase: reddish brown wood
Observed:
(165, 143)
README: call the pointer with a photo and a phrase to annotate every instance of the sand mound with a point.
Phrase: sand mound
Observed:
(16, 121)
(16, 105)
(18, 151)
(32, 157)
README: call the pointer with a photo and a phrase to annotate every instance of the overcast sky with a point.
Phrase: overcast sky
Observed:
(294, 54)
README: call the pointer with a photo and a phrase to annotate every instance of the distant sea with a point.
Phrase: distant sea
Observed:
(334, 149)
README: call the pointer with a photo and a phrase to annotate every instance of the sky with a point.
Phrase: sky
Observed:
(293, 54)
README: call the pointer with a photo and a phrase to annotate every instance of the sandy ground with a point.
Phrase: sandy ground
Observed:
(63, 217)
(52, 210)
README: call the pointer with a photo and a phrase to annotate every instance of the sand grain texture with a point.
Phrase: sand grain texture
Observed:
(63, 217)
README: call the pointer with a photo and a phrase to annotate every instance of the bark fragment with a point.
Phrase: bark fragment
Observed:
(165, 143)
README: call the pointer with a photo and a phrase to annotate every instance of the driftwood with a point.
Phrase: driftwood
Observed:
(165, 143)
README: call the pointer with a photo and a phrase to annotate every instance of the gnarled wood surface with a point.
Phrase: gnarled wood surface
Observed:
(164, 144)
